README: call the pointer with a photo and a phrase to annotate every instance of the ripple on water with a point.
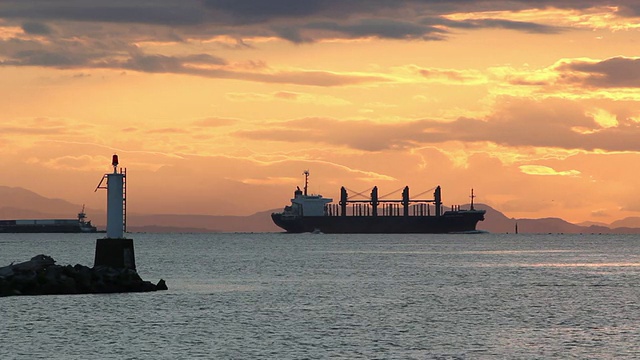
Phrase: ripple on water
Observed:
(279, 296)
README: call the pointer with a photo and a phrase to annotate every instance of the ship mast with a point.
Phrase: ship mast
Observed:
(82, 215)
(306, 181)
(472, 196)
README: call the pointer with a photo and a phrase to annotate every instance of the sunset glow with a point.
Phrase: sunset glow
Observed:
(216, 107)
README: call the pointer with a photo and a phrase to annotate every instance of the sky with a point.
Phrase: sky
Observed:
(218, 106)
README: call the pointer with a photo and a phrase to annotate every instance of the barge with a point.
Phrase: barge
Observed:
(79, 225)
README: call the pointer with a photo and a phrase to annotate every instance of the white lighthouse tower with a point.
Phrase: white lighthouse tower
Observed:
(115, 201)
(114, 250)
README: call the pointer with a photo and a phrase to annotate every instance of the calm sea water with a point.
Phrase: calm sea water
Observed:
(314, 296)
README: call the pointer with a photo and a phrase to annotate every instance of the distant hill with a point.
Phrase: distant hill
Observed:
(19, 203)
(494, 221)
(497, 222)
(592, 223)
(167, 229)
(258, 222)
(629, 222)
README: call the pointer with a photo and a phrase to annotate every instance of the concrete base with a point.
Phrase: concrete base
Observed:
(115, 253)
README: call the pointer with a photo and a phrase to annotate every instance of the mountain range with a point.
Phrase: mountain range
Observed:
(19, 203)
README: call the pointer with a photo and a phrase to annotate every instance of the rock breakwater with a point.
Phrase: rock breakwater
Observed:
(41, 276)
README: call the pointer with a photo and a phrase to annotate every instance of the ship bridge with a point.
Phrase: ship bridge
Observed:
(309, 205)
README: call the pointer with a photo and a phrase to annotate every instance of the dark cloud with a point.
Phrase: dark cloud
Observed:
(353, 19)
(36, 28)
(528, 27)
(59, 53)
(262, 11)
(67, 56)
(168, 64)
(286, 18)
(630, 9)
(160, 12)
(259, 11)
(45, 58)
(613, 72)
(551, 123)
(382, 28)
(617, 72)
(94, 33)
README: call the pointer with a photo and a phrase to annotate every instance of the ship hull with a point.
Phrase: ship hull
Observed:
(46, 228)
(43, 229)
(449, 222)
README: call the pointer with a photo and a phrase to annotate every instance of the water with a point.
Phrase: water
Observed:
(313, 296)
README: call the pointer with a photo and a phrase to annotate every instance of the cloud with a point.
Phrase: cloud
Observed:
(603, 213)
(261, 10)
(631, 205)
(82, 162)
(286, 95)
(70, 34)
(612, 72)
(612, 78)
(295, 97)
(204, 65)
(451, 76)
(284, 18)
(36, 28)
(258, 11)
(549, 123)
(37, 126)
(313, 78)
(168, 64)
(169, 131)
(380, 28)
(361, 134)
(247, 97)
(45, 58)
(160, 12)
(546, 171)
(215, 122)
(369, 17)
(492, 23)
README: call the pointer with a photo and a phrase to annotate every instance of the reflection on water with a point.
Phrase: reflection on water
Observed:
(280, 296)
(591, 265)
(516, 252)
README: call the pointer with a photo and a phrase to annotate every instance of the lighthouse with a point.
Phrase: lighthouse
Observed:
(115, 250)
(115, 201)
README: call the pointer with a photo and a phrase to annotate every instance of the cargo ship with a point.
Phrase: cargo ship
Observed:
(79, 225)
(315, 213)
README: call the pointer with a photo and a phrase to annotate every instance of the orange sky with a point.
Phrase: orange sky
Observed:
(217, 107)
